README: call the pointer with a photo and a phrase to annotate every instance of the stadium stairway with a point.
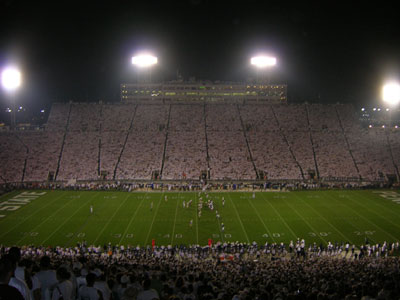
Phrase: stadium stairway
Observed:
(126, 139)
(205, 134)
(391, 155)
(311, 140)
(26, 156)
(347, 142)
(99, 152)
(165, 142)
(247, 141)
(287, 143)
(63, 141)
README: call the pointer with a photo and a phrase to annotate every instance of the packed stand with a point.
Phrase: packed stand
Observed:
(115, 124)
(222, 271)
(371, 152)
(227, 149)
(185, 153)
(44, 150)
(84, 141)
(12, 157)
(143, 151)
(79, 158)
(58, 117)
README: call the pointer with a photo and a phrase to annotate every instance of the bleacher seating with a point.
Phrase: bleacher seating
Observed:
(84, 141)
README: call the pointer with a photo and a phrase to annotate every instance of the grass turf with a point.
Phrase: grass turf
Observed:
(63, 217)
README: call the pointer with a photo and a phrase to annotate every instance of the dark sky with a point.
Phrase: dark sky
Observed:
(81, 50)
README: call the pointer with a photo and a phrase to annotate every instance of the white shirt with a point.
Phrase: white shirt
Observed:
(21, 286)
(63, 289)
(20, 274)
(88, 293)
(103, 288)
(47, 280)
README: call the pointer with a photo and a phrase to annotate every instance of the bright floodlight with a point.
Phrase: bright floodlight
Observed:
(143, 61)
(391, 93)
(11, 79)
(263, 61)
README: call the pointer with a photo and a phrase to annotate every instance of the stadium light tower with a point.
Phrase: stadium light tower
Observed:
(145, 61)
(11, 81)
(391, 95)
(263, 63)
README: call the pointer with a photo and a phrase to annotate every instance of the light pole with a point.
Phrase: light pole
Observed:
(145, 61)
(11, 80)
(263, 62)
(391, 95)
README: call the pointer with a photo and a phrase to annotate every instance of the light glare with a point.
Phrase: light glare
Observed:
(391, 93)
(144, 60)
(263, 61)
(11, 79)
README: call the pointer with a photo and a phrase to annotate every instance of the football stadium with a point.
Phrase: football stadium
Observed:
(199, 150)
(187, 175)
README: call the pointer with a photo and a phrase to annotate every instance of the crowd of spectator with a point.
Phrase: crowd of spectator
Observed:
(94, 141)
(220, 271)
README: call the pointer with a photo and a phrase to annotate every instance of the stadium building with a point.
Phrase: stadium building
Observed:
(189, 92)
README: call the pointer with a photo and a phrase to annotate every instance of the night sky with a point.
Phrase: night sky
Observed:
(81, 52)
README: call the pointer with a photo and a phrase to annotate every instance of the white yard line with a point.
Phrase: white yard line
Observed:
(372, 223)
(333, 226)
(280, 217)
(176, 212)
(110, 219)
(367, 208)
(66, 220)
(309, 225)
(262, 221)
(240, 220)
(152, 222)
(37, 212)
(131, 220)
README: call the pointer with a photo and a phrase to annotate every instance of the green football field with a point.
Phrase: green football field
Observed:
(63, 218)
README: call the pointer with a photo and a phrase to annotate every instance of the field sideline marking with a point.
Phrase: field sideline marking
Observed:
(132, 218)
(262, 221)
(66, 220)
(361, 216)
(280, 217)
(176, 212)
(28, 217)
(152, 222)
(330, 224)
(240, 220)
(109, 220)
